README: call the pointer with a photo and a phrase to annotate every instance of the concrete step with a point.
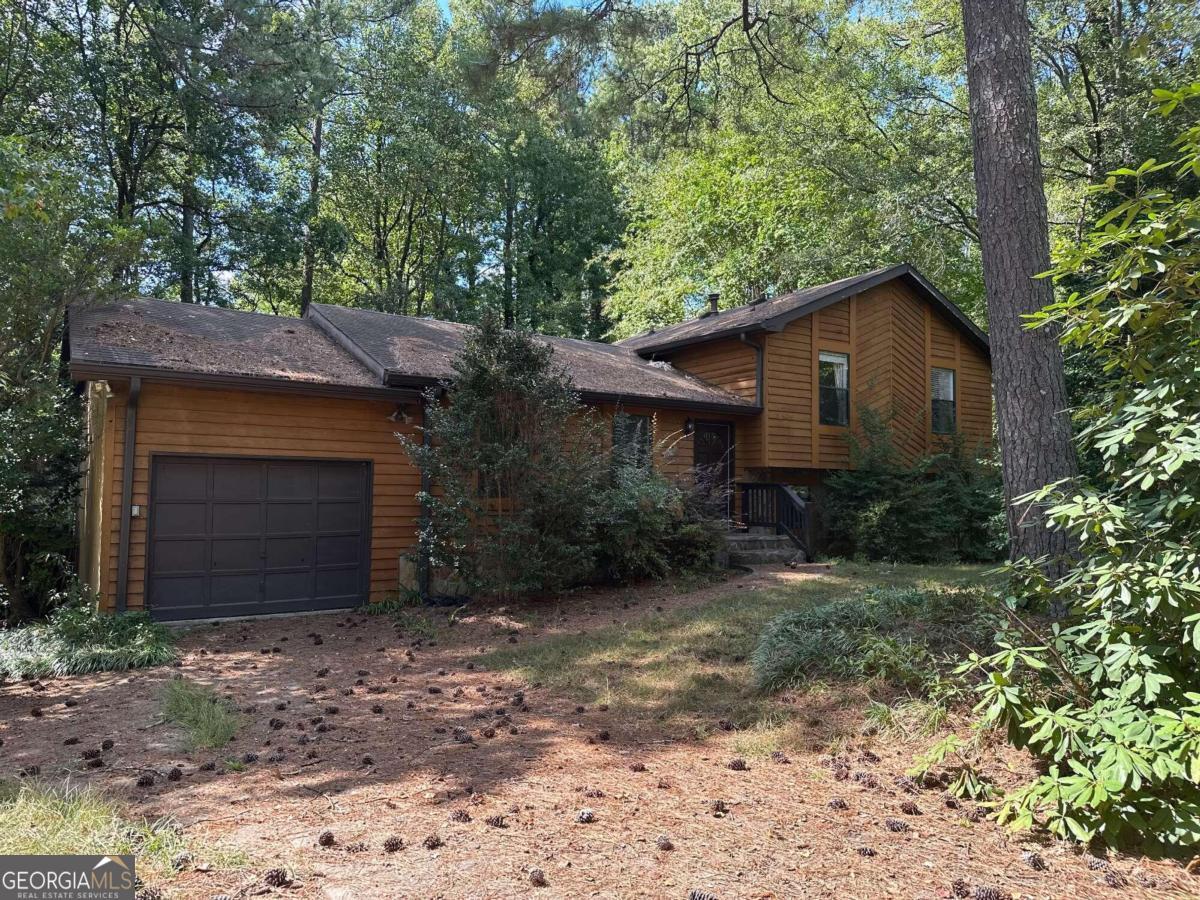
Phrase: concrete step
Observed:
(765, 557)
(758, 542)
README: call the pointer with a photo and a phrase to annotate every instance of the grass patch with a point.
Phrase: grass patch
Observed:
(41, 818)
(693, 663)
(76, 640)
(207, 719)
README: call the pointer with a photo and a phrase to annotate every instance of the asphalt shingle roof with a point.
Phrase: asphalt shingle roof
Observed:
(406, 347)
(343, 347)
(206, 340)
(771, 315)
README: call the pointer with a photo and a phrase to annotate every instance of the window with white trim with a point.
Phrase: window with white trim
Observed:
(941, 389)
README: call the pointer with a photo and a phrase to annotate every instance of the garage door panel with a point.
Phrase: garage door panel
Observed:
(335, 583)
(236, 518)
(172, 557)
(227, 590)
(178, 592)
(339, 516)
(236, 554)
(237, 480)
(233, 537)
(290, 552)
(337, 482)
(289, 518)
(289, 586)
(291, 481)
(338, 550)
(183, 480)
(180, 518)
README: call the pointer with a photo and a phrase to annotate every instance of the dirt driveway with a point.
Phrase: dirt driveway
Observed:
(371, 730)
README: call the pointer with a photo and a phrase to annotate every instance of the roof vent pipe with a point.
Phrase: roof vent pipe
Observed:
(714, 301)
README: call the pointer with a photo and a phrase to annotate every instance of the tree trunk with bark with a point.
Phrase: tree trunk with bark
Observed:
(314, 204)
(1027, 365)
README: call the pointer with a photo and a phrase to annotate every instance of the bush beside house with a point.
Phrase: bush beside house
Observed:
(943, 507)
(525, 500)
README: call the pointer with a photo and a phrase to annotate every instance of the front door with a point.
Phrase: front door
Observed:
(712, 449)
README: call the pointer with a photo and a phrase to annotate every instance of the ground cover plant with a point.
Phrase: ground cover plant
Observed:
(207, 720)
(38, 817)
(907, 637)
(77, 638)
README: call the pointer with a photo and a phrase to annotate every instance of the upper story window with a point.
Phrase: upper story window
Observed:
(941, 389)
(631, 439)
(834, 380)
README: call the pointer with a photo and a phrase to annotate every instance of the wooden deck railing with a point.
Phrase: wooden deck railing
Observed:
(769, 505)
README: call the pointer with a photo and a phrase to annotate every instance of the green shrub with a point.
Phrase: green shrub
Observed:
(77, 639)
(208, 720)
(943, 507)
(897, 635)
(1108, 699)
(513, 458)
(649, 526)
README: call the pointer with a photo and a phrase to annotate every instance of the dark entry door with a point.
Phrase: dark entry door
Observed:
(234, 536)
(712, 448)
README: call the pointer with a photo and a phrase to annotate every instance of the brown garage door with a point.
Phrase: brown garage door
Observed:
(236, 537)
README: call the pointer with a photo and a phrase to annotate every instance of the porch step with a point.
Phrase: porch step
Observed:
(765, 557)
(760, 547)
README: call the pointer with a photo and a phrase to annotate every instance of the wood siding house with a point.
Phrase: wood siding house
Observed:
(242, 464)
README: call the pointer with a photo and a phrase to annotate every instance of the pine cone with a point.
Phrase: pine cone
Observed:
(277, 878)
(432, 842)
(537, 878)
(664, 843)
(585, 817)
(393, 844)
(325, 838)
(838, 803)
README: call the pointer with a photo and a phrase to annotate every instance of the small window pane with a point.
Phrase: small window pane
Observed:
(833, 376)
(943, 414)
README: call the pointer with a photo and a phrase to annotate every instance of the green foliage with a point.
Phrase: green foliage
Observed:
(76, 639)
(943, 507)
(525, 500)
(650, 526)
(208, 720)
(899, 636)
(512, 456)
(41, 450)
(1108, 698)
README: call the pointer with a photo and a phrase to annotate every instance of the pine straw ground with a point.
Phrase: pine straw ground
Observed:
(612, 681)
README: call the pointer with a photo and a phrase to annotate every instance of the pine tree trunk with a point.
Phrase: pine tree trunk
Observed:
(1027, 366)
(314, 198)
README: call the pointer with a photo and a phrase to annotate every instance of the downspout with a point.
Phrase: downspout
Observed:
(423, 560)
(130, 450)
(758, 368)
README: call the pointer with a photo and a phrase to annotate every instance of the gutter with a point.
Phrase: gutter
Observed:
(83, 371)
(129, 452)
